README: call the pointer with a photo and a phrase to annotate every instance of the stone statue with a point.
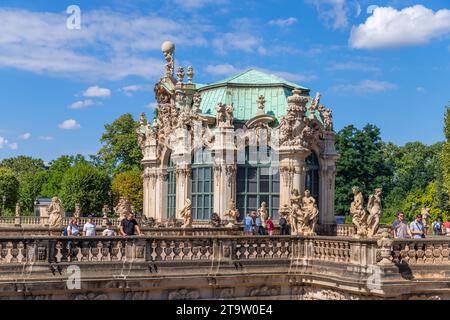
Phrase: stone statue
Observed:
(55, 213)
(229, 109)
(315, 103)
(190, 74)
(220, 114)
(197, 99)
(18, 210)
(168, 49)
(263, 214)
(328, 119)
(215, 220)
(311, 213)
(295, 201)
(186, 214)
(261, 105)
(375, 212)
(425, 219)
(105, 211)
(77, 212)
(358, 213)
(232, 213)
(123, 208)
(148, 222)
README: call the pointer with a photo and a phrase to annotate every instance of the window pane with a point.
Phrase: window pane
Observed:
(194, 186)
(252, 202)
(275, 202)
(264, 186)
(252, 174)
(252, 187)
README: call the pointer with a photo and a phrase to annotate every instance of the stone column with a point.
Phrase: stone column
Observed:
(292, 172)
(327, 177)
(224, 169)
(150, 192)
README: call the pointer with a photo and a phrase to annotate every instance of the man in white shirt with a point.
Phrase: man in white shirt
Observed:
(89, 228)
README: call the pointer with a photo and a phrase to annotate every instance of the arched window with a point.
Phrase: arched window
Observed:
(312, 176)
(257, 181)
(202, 184)
(171, 191)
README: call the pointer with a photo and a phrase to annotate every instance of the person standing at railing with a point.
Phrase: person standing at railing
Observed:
(73, 229)
(284, 228)
(269, 224)
(89, 229)
(417, 228)
(129, 226)
(447, 228)
(248, 225)
(437, 227)
(109, 231)
(401, 228)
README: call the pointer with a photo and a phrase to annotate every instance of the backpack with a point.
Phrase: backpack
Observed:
(436, 226)
(65, 233)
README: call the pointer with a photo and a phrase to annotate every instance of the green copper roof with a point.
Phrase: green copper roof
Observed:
(243, 91)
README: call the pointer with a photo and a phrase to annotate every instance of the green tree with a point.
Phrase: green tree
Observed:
(120, 151)
(30, 189)
(129, 184)
(362, 163)
(55, 174)
(23, 165)
(445, 155)
(85, 184)
(9, 188)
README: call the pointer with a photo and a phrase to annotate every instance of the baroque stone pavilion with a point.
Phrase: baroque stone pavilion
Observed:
(250, 138)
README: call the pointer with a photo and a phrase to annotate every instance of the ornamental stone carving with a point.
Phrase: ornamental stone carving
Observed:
(232, 213)
(263, 214)
(55, 213)
(264, 291)
(366, 225)
(385, 245)
(186, 214)
(122, 208)
(375, 212)
(304, 213)
(261, 106)
(215, 220)
(184, 294)
(78, 212)
(358, 213)
(425, 212)
(18, 210)
(190, 74)
(315, 103)
(168, 48)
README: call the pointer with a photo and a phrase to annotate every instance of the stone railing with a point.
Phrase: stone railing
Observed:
(222, 266)
(422, 251)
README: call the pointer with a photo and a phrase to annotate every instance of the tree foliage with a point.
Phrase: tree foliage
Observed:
(9, 188)
(85, 184)
(129, 184)
(362, 163)
(120, 151)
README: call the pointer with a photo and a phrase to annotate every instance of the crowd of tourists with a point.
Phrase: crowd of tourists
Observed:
(416, 229)
(128, 227)
(254, 225)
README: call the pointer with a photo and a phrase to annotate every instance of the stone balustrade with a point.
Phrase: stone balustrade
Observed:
(223, 266)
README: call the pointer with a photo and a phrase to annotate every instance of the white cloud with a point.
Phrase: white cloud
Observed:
(46, 138)
(333, 12)
(240, 41)
(151, 105)
(69, 125)
(14, 146)
(96, 91)
(354, 66)
(390, 28)
(109, 45)
(283, 22)
(221, 69)
(421, 89)
(82, 104)
(197, 4)
(366, 86)
(130, 90)
(3, 142)
(25, 136)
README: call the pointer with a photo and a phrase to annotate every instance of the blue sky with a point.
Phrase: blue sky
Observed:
(380, 62)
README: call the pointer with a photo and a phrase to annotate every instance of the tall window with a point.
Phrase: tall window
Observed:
(312, 176)
(171, 191)
(257, 181)
(202, 185)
